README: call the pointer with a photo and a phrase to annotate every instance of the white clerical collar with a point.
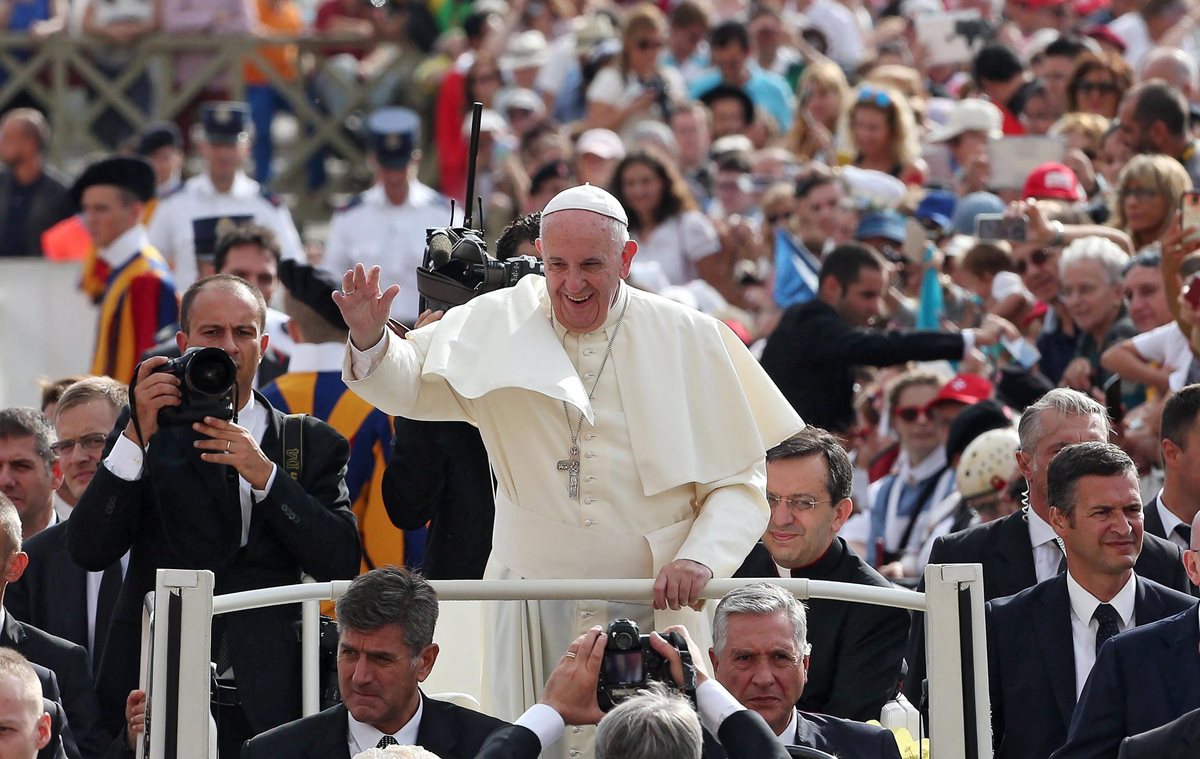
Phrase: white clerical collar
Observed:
(788, 736)
(1084, 604)
(1039, 531)
(363, 736)
(316, 357)
(614, 311)
(124, 247)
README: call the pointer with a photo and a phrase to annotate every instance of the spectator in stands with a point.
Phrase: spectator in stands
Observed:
(22, 712)
(282, 524)
(597, 152)
(987, 270)
(161, 144)
(971, 126)
(1098, 85)
(1145, 294)
(730, 43)
(1092, 271)
(1169, 515)
(120, 26)
(882, 135)
(1175, 67)
(33, 197)
(1148, 193)
(276, 18)
(691, 125)
(386, 620)
(29, 474)
(1047, 636)
(822, 94)
(547, 181)
(760, 652)
(1002, 78)
(1057, 65)
(1153, 118)
(731, 110)
(862, 646)
(219, 18)
(55, 594)
(687, 39)
(187, 224)
(52, 390)
(67, 661)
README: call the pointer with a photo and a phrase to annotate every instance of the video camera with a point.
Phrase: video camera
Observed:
(207, 378)
(631, 664)
(456, 266)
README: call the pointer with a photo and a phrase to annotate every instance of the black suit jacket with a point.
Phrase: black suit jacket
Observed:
(812, 353)
(55, 749)
(439, 474)
(301, 526)
(832, 735)
(69, 663)
(1142, 679)
(50, 204)
(1178, 739)
(1031, 662)
(857, 649)
(1002, 546)
(449, 731)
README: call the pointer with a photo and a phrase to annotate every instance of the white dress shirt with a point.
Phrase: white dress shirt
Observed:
(126, 460)
(1047, 553)
(1083, 627)
(61, 508)
(788, 736)
(1170, 522)
(360, 736)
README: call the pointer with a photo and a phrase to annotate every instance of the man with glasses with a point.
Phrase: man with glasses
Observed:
(55, 594)
(809, 478)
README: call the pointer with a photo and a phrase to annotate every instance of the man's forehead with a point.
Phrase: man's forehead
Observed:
(18, 448)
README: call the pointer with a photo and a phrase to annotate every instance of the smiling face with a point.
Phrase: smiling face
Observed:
(798, 537)
(1091, 299)
(1146, 297)
(872, 135)
(762, 666)
(584, 267)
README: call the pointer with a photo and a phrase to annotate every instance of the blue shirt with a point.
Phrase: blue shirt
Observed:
(768, 90)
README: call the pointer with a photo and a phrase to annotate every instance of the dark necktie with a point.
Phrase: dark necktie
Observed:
(1185, 532)
(106, 600)
(1107, 616)
(386, 741)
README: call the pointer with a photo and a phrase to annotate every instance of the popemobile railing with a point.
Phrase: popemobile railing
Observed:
(177, 643)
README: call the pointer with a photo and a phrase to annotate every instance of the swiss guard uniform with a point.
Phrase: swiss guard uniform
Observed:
(313, 385)
(139, 297)
(176, 228)
(372, 231)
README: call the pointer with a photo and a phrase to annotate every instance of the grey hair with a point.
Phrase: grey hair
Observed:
(1065, 401)
(761, 599)
(10, 525)
(1081, 460)
(391, 596)
(25, 421)
(1099, 249)
(618, 231)
(654, 724)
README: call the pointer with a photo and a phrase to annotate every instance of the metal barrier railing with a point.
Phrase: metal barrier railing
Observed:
(953, 605)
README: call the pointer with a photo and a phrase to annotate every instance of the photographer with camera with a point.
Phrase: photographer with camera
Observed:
(656, 723)
(189, 483)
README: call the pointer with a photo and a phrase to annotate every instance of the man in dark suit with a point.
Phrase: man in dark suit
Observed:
(1042, 642)
(1142, 680)
(859, 647)
(385, 649)
(218, 495)
(1171, 512)
(1021, 549)
(812, 353)
(67, 661)
(1179, 739)
(33, 197)
(55, 594)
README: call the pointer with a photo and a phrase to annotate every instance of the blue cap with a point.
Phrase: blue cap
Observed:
(972, 205)
(938, 207)
(206, 231)
(887, 224)
(225, 121)
(393, 134)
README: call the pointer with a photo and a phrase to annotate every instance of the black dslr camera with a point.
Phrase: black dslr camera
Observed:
(457, 267)
(207, 378)
(631, 664)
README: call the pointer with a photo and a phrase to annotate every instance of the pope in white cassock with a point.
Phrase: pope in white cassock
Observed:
(627, 433)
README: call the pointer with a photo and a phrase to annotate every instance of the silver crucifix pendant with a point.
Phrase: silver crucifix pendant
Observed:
(570, 465)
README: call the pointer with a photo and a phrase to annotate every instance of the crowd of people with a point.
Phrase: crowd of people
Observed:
(831, 289)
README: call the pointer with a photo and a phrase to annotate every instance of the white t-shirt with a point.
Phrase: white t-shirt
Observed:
(1168, 347)
(609, 88)
(678, 243)
(1008, 283)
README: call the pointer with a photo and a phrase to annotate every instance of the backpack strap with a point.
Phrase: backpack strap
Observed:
(293, 445)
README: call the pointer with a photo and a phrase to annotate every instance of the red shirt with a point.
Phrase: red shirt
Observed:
(329, 11)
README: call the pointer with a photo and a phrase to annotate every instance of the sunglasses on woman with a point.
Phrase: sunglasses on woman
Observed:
(872, 95)
(911, 414)
(1038, 257)
(1099, 88)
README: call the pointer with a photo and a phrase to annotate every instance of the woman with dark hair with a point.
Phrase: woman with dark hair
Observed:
(1098, 84)
(672, 234)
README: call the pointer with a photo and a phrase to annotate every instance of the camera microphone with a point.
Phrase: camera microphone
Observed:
(440, 249)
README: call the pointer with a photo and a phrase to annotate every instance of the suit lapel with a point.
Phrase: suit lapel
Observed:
(1014, 553)
(1181, 671)
(14, 632)
(329, 738)
(1151, 521)
(1052, 626)
(437, 731)
(806, 732)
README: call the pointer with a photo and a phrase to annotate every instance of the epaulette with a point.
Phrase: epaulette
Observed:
(273, 198)
(353, 202)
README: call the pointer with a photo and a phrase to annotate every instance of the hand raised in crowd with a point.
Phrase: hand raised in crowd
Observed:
(1077, 161)
(152, 392)
(571, 689)
(680, 584)
(1040, 230)
(1178, 243)
(135, 718)
(993, 329)
(363, 306)
(233, 444)
(1078, 375)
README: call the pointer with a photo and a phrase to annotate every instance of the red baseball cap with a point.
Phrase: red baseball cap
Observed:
(1053, 181)
(965, 388)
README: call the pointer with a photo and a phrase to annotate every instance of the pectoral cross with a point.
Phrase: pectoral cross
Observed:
(570, 465)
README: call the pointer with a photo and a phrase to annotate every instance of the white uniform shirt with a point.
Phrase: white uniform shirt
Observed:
(171, 228)
(375, 232)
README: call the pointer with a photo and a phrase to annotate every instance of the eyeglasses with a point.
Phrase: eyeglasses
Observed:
(1138, 193)
(778, 217)
(872, 95)
(648, 44)
(1150, 259)
(911, 414)
(796, 502)
(1100, 88)
(1036, 258)
(89, 443)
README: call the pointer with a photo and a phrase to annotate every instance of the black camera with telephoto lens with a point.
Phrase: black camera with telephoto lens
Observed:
(207, 378)
(631, 664)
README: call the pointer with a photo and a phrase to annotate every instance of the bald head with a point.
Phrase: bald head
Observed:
(1175, 67)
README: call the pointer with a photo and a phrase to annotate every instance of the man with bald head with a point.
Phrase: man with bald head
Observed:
(33, 197)
(1175, 67)
(24, 722)
(627, 433)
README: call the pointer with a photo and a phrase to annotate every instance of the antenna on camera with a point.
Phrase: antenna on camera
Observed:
(476, 118)
(451, 212)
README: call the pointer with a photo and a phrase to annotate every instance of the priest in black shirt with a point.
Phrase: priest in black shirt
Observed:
(857, 649)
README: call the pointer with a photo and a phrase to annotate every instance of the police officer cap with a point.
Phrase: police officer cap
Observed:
(393, 135)
(224, 121)
(161, 134)
(313, 287)
(587, 197)
(208, 230)
(132, 174)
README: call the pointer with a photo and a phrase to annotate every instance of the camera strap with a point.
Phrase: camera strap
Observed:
(293, 445)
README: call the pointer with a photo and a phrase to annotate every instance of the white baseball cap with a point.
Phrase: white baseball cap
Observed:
(587, 197)
(970, 115)
(602, 142)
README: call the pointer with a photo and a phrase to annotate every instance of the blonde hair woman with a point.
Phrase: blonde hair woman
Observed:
(821, 95)
(1149, 190)
(881, 134)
